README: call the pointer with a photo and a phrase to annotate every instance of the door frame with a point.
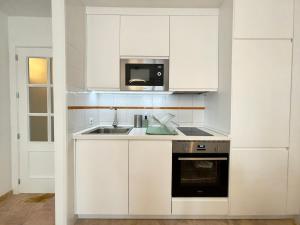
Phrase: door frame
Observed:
(14, 129)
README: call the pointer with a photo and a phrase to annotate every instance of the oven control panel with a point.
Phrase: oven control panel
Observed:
(201, 146)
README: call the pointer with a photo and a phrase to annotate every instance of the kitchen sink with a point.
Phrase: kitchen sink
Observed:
(110, 130)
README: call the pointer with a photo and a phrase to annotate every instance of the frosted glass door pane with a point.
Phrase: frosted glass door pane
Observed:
(51, 96)
(52, 128)
(37, 99)
(38, 128)
(38, 70)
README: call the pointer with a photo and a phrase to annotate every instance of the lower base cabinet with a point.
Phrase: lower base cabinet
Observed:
(120, 177)
(200, 206)
(101, 177)
(258, 181)
(150, 173)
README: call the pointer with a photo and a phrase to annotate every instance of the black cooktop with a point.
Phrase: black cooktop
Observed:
(193, 131)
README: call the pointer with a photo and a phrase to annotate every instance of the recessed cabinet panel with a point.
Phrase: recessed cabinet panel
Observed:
(263, 18)
(102, 177)
(144, 36)
(193, 53)
(258, 181)
(261, 88)
(150, 165)
(103, 58)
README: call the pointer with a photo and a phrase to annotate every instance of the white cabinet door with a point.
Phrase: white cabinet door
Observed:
(258, 181)
(193, 53)
(150, 164)
(144, 36)
(261, 86)
(200, 206)
(101, 177)
(263, 18)
(103, 58)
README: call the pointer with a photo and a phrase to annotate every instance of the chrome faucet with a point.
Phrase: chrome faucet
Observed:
(115, 123)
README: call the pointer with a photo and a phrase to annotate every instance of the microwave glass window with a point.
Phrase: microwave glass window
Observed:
(144, 74)
(140, 74)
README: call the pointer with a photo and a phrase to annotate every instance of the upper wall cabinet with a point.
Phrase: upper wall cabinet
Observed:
(261, 88)
(193, 53)
(263, 18)
(144, 36)
(103, 57)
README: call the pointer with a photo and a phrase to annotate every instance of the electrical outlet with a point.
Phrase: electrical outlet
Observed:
(91, 121)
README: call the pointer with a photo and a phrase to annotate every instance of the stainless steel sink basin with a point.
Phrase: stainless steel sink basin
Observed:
(110, 130)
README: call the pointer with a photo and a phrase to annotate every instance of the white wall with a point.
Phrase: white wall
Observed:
(79, 119)
(218, 104)
(293, 204)
(5, 160)
(23, 32)
(30, 31)
(75, 80)
(76, 44)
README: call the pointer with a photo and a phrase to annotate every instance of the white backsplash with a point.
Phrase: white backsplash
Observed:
(80, 119)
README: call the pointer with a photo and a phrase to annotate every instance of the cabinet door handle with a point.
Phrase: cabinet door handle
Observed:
(203, 159)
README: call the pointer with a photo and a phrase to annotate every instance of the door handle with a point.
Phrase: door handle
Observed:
(203, 159)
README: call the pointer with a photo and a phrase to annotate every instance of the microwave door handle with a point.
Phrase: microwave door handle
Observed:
(203, 159)
(136, 80)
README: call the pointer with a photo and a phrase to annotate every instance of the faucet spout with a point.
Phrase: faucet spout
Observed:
(115, 122)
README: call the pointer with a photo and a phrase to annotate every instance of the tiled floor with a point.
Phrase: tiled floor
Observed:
(16, 211)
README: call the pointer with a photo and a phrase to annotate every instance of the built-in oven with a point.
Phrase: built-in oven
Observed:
(144, 74)
(200, 168)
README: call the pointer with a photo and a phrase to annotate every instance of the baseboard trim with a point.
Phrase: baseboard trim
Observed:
(5, 196)
(166, 217)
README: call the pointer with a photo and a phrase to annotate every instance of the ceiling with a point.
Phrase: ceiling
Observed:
(155, 3)
(42, 8)
(39, 8)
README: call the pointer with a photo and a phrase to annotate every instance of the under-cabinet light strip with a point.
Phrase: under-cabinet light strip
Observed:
(135, 107)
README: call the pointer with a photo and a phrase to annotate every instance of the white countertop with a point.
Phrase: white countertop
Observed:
(140, 134)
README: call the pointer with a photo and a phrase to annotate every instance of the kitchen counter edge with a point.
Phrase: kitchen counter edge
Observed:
(140, 134)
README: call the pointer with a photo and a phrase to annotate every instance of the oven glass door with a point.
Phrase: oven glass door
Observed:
(200, 175)
(144, 74)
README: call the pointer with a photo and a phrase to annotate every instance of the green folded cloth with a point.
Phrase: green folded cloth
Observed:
(160, 131)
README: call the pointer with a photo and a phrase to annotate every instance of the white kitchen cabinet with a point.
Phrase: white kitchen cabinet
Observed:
(150, 165)
(194, 53)
(258, 181)
(261, 88)
(101, 177)
(103, 57)
(200, 206)
(263, 18)
(144, 36)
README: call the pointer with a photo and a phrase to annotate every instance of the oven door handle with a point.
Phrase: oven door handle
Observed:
(136, 80)
(202, 159)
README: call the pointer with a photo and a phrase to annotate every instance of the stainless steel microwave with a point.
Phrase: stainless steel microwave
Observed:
(144, 74)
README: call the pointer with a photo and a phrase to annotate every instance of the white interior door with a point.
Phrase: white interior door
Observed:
(36, 119)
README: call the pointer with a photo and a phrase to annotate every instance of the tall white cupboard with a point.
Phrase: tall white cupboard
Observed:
(260, 106)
